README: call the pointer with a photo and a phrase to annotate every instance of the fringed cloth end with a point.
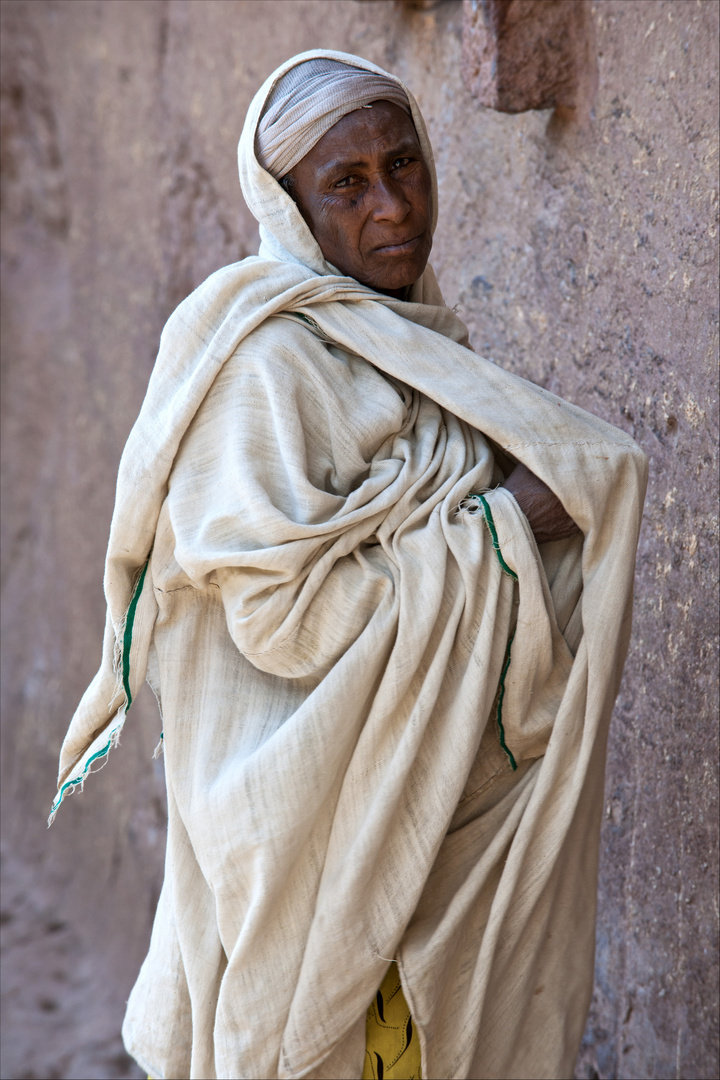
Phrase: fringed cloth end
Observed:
(97, 755)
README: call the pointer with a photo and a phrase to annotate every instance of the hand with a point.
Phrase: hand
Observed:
(544, 511)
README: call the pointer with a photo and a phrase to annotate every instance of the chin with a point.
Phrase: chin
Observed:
(399, 276)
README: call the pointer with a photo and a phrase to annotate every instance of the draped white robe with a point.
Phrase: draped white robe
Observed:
(384, 709)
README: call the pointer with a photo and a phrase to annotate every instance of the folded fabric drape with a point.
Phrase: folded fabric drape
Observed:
(384, 708)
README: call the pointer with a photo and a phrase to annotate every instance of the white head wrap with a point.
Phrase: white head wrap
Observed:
(308, 100)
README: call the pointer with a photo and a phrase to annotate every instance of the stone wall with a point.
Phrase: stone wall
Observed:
(582, 256)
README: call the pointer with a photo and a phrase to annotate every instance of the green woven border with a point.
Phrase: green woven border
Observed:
(501, 695)
(490, 522)
(127, 636)
(127, 642)
(306, 319)
(79, 780)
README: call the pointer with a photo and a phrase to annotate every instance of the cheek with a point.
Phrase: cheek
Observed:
(422, 190)
(418, 190)
(342, 212)
(339, 231)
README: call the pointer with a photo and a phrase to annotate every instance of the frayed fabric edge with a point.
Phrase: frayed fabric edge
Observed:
(121, 668)
(474, 502)
(70, 786)
(471, 503)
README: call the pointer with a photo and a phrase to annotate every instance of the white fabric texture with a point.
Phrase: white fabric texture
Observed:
(307, 101)
(325, 619)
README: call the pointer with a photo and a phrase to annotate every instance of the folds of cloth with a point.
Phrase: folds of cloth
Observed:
(384, 709)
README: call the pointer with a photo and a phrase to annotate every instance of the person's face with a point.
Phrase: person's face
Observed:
(364, 191)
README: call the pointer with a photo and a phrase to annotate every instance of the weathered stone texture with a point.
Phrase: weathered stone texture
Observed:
(583, 256)
(529, 54)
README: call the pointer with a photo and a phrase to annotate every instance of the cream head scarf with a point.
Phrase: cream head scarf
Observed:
(308, 100)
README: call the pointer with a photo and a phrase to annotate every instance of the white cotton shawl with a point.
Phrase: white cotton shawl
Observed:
(327, 633)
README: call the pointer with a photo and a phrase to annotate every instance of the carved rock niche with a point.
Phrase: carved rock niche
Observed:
(530, 54)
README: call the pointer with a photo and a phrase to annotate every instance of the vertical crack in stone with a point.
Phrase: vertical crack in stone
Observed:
(34, 188)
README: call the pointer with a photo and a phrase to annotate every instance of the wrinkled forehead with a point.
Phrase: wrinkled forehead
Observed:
(308, 100)
(369, 133)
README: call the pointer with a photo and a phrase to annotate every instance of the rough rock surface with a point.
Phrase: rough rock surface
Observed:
(582, 256)
(529, 54)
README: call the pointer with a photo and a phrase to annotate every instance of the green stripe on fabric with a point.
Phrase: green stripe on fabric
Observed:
(306, 319)
(71, 783)
(127, 636)
(490, 522)
(501, 695)
(127, 642)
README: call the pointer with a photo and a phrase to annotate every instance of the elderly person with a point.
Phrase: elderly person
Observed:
(381, 588)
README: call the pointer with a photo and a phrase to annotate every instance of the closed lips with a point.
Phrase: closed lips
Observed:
(398, 245)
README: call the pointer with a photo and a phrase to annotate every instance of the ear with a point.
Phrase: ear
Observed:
(288, 183)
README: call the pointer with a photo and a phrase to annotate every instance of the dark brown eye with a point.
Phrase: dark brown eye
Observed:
(401, 162)
(346, 181)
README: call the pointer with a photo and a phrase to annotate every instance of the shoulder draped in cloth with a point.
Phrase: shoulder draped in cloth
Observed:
(385, 710)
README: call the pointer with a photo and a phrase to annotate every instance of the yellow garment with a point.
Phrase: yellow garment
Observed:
(392, 1049)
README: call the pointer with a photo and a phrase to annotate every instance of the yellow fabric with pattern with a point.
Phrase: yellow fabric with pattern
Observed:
(392, 1049)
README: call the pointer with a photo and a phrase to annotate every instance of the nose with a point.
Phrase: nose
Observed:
(390, 204)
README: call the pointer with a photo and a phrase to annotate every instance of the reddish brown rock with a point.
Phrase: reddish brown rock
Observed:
(528, 54)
